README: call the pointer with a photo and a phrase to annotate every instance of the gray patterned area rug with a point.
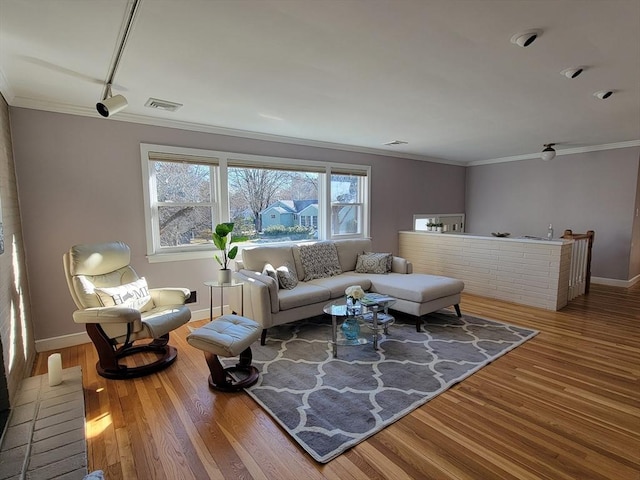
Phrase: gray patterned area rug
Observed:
(329, 405)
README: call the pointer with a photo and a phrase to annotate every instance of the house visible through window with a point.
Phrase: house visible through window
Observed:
(189, 191)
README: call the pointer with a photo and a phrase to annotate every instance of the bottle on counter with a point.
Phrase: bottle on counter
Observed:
(550, 232)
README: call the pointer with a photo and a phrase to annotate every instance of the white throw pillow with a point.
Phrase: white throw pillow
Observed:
(270, 271)
(133, 295)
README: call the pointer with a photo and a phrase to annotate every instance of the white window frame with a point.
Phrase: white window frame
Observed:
(363, 195)
(220, 194)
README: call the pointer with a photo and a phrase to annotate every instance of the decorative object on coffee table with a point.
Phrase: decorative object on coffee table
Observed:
(354, 294)
(338, 309)
(351, 328)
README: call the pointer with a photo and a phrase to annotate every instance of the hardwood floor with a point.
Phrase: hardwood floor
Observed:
(565, 405)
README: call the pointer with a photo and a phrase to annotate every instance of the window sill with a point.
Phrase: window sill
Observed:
(179, 256)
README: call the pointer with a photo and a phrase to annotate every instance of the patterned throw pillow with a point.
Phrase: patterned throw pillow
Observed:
(287, 276)
(374, 263)
(320, 260)
(389, 259)
(133, 295)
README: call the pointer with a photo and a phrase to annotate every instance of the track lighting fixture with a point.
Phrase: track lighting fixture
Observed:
(111, 104)
(548, 153)
(525, 39)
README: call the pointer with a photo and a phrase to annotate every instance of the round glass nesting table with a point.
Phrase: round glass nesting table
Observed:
(221, 286)
(375, 316)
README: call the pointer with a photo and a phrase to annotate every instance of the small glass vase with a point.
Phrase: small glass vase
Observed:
(354, 307)
(351, 329)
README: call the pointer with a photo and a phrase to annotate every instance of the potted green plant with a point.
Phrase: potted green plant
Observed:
(222, 239)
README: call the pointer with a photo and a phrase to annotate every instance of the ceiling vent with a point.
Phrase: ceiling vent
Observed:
(396, 142)
(162, 104)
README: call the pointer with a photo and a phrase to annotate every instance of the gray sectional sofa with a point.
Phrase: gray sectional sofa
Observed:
(286, 283)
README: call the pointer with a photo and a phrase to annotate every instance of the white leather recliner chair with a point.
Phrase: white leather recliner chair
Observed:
(119, 310)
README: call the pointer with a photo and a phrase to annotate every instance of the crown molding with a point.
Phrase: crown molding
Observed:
(566, 151)
(24, 102)
(5, 89)
(29, 103)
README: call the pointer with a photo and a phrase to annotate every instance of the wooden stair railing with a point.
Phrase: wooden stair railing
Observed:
(580, 274)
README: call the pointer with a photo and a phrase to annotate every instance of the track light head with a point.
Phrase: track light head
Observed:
(112, 104)
(525, 39)
(548, 153)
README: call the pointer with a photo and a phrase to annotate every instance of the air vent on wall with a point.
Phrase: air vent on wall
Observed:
(396, 142)
(162, 104)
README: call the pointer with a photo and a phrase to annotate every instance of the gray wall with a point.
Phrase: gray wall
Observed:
(587, 191)
(80, 180)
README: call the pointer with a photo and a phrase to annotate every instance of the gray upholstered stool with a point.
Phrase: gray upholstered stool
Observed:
(228, 336)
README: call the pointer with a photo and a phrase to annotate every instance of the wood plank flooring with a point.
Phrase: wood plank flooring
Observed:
(565, 405)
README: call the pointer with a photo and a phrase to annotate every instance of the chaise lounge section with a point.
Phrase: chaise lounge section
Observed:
(287, 283)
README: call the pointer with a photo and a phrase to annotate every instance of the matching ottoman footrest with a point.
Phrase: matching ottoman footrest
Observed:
(228, 336)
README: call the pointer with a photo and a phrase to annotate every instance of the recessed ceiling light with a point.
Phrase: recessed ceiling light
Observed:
(162, 104)
(603, 94)
(572, 72)
(525, 39)
(396, 142)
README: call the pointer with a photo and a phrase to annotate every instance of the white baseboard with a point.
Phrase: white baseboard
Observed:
(613, 282)
(56, 343)
(203, 314)
(73, 339)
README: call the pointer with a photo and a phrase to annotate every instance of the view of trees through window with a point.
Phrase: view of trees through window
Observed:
(185, 206)
(346, 204)
(265, 204)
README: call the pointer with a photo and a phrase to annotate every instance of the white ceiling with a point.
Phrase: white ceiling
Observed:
(441, 75)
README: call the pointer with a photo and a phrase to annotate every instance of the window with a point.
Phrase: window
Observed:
(188, 191)
(348, 193)
(183, 203)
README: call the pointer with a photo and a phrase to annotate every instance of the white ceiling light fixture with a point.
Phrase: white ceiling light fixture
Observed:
(111, 104)
(525, 39)
(603, 94)
(572, 72)
(548, 153)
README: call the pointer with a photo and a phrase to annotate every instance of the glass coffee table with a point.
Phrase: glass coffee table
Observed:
(374, 316)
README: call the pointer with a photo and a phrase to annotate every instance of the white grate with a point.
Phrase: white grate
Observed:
(162, 104)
